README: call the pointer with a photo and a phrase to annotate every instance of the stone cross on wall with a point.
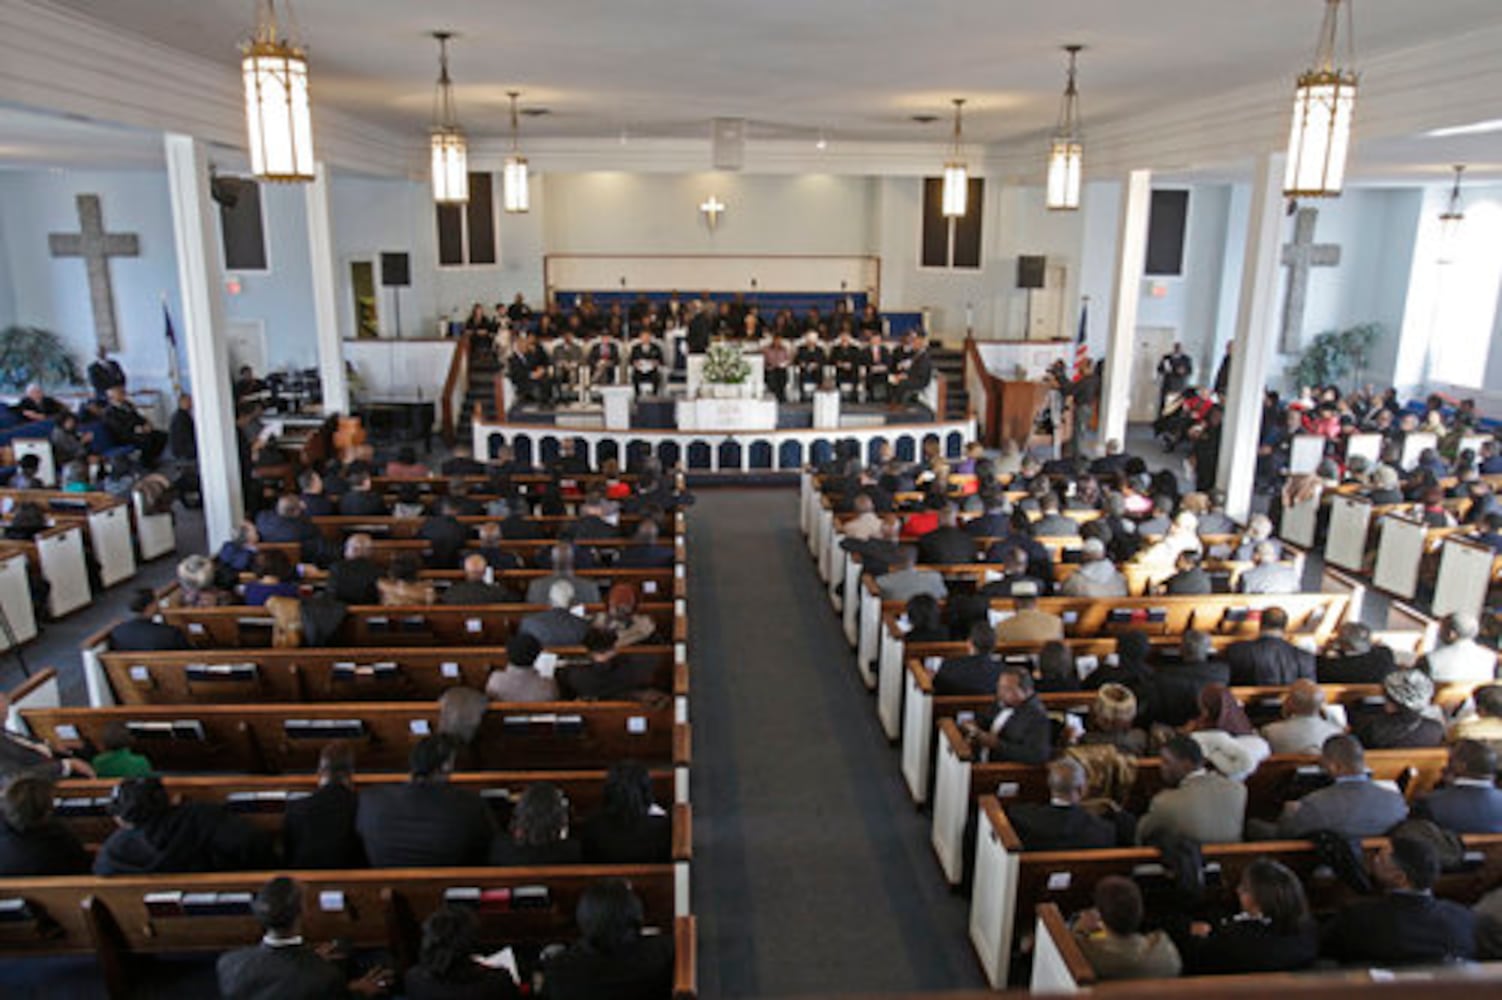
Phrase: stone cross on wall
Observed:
(1299, 256)
(96, 247)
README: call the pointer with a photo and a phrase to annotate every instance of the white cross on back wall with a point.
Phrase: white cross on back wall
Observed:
(96, 247)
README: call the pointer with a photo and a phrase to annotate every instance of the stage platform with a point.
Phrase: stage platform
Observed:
(656, 413)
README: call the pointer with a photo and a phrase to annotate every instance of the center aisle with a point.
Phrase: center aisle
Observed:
(812, 869)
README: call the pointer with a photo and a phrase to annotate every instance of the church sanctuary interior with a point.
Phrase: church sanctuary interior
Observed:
(750, 498)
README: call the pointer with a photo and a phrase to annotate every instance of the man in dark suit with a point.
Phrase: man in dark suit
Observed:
(1191, 578)
(914, 372)
(425, 822)
(105, 374)
(1470, 801)
(1406, 925)
(946, 544)
(32, 840)
(288, 522)
(1062, 824)
(360, 500)
(318, 830)
(993, 523)
(1017, 728)
(1015, 580)
(609, 675)
(156, 836)
(489, 546)
(282, 966)
(142, 633)
(315, 501)
(1173, 697)
(473, 589)
(445, 535)
(1350, 658)
(1269, 660)
(352, 580)
(646, 553)
(591, 523)
(976, 673)
(875, 363)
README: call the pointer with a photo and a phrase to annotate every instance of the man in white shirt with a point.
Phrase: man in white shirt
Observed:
(1268, 575)
(1460, 658)
(1096, 576)
(1304, 727)
(866, 524)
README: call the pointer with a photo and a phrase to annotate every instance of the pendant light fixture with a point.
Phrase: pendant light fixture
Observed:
(1323, 106)
(1451, 218)
(515, 196)
(956, 177)
(1066, 151)
(450, 150)
(277, 117)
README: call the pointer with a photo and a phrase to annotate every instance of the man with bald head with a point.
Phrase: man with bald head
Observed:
(1063, 824)
(475, 588)
(352, 579)
(1303, 728)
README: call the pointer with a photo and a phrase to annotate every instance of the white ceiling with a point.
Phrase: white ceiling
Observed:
(855, 69)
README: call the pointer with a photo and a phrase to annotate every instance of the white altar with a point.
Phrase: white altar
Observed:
(753, 388)
(726, 414)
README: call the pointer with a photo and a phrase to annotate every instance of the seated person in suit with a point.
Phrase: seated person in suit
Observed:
(156, 836)
(612, 958)
(1056, 668)
(282, 965)
(1096, 576)
(558, 625)
(474, 588)
(608, 674)
(24, 755)
(1173, 693)
(497, 558)
(1269, 660)
(275, 577)
(1486, 725)
(318, 830)
(360, 500)
(1052, 524)
(1304, 727)
(1353, 805)
(1015, 581)
(354, 579)
(1063, 824)
(946, 544)
(1111, 939)
(1190, 577)
(1268, 575)
(32, 840)
(1195, 802)
(519, 681)
(448, 965)
(1028, 624)
(1406, 925)
(630, 827)
(1350, 657)
(903, 580)
(1469, 801)
(1017, 727)
(646, 553)
(538, 832)
(561, 559)
(315, 501)
(621, 618)
(401, 585)
(445, 535)
(1403, 721)
(425, 822)
(143, 633)
(974, 673)
(1273, 932)
(287, 522)
(1460, 658)
(925, 620)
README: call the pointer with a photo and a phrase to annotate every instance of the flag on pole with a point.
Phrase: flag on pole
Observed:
(173, 363)
(1081, 352)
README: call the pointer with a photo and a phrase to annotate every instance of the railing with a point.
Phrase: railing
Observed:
(985, 392)
(458, 378)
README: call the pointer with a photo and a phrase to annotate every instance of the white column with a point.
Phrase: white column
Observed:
(1131, 260)
(200, 281)
(1256, 317)
(325, 292)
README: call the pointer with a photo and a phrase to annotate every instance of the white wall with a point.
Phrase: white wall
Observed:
(281, 297)
(1191, 301)
(1101, 211)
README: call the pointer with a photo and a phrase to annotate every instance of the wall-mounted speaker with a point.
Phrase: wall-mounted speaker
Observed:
(729, 140)
(1031, 270)
(396, 271)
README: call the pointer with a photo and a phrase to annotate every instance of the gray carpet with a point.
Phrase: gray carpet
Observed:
(812, 869)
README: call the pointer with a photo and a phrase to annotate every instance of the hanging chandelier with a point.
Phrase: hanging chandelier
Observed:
(1323, 105)
(1451, 218)
(1066, 151)
(515, 197)
(956, 177)
(450, 150)
(277, 117)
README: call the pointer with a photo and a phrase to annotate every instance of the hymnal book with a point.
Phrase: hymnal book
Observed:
(15, 911)
(164, 904)
(241, 672)
(531, 897)
(323, 729)
(495, 900)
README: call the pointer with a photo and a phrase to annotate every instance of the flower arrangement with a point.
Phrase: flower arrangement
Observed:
(724, 364)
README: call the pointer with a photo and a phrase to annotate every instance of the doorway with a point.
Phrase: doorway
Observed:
(1148, 348)
(245, 343)
(363, 291)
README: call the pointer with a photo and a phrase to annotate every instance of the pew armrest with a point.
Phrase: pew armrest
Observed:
(683, 832)
(921, 677)
(996, 817)
(1051, 924)
(683, 744)
(685, 959)
(950, 730)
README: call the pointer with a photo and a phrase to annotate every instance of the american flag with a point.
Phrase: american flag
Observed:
(1081, 352)
(173, 358)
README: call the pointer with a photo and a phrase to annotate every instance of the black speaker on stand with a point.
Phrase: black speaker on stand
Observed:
(1031, 272)
(396, 274)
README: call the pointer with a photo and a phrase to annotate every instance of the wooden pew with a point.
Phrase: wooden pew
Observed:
(58, 554)
(272, 739)
(1009, 881)
(15, 595)
(119, 919)
(105, 519)
(336, 527)
(233, 627)
(330, 675)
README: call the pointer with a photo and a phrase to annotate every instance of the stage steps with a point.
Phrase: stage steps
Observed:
(949, 365)
(484, 369)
